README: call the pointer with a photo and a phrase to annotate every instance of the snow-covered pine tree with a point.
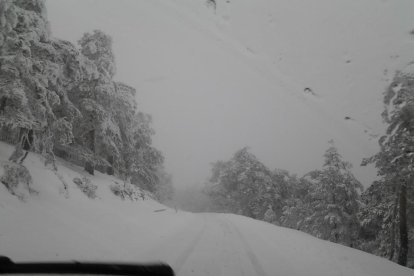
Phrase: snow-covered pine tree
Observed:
(297, 204)
(378, 216)
(124, 108)
(34, 75)
(243, 185)
(145, 160)
(335, 200)
(55, 98)
(396, 157)
(19, 27)
(96, 131)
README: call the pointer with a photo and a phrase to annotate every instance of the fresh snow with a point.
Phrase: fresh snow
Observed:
(51, 226)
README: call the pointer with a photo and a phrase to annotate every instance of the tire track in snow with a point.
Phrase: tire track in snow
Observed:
(251, 255)
(175, 248)
(182, 258)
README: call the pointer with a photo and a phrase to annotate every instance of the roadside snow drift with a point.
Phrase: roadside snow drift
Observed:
(66, 225)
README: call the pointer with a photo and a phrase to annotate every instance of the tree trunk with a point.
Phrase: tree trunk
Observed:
(402, 255)
(89, 167)
(24, 157)
(110, 169)
(393, 229)
(22, 144)
(26, 139)
(3, 102)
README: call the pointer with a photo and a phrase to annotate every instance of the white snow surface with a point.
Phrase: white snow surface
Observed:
(49, 226)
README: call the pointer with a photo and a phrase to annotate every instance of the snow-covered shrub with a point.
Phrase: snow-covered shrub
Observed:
(128, 191)
(269, 215)
(86, 186)
(134, 193)
(117, 190)
(14, 174)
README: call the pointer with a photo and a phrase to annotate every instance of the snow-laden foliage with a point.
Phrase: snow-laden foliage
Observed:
(378, 217)
(334, 201)
(324, 203)
(269, 215)
(97, 47)
(395, 162)
(21, 89)
(128, 191)
(62, 100)
(36, 71)
(86, 186)
(17, 178)
(297, 206)
(244, 185)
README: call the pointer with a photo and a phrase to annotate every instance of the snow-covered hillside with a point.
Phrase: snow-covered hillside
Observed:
(282, 77)
(54, 225)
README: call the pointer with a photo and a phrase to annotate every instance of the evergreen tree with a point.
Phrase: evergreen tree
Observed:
(297, 205)
(378, 217)
(96, 130)
(35, 72)
(243, 185)
(335, 200)
(57, 99)
(395, 159)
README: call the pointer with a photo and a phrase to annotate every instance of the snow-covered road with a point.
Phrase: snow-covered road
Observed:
(210, 245)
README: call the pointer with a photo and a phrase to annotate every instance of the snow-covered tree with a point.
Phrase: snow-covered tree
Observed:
(19, 27)
(35, 73)
(144, 160)
(297, 204)
(378, 216)
(97, 131)
(396, 157)
(335, 200)
(269, 215)
(57, 99)
(97, 47)
(243, 185)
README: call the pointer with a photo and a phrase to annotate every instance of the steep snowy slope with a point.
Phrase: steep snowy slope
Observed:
(279, 76)
(50, 226)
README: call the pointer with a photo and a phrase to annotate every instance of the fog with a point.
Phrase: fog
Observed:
(216, 82)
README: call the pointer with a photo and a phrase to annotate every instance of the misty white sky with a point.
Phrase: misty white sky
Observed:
(216, 82)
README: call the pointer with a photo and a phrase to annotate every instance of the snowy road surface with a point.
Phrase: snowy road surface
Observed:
(211, 245)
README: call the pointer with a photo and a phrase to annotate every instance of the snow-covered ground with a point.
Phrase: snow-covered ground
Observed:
(54, 226)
